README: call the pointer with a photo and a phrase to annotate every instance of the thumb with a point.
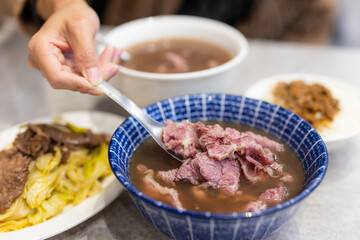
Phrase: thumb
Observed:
(82, 41)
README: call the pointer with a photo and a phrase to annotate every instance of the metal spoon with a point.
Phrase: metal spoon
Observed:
(153, 127)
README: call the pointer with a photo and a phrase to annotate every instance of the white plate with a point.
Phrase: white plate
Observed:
(72, 216)
(346, 123)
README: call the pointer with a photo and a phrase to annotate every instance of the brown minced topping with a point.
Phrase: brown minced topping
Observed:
(313, 102)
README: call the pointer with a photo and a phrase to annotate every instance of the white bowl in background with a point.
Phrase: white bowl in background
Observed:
(145, 88)
(346, 123)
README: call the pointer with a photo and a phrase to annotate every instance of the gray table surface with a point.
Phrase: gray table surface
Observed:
(332, 211)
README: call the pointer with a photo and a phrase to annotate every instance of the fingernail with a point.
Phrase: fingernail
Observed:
(93, 75)
(114, 71)
(117, 55)
(95, 92)
(111, 73)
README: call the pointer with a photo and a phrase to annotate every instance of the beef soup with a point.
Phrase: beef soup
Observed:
(228, 168)
(175, 56)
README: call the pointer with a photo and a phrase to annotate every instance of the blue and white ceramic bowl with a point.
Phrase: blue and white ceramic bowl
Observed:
(178, 224)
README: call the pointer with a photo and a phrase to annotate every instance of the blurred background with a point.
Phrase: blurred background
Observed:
(333, 22)
(347, 24)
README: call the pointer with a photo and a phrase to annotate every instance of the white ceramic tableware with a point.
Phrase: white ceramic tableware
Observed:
(145, 88)
(346, 124)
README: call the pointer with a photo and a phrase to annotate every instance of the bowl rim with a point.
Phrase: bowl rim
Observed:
(236, 34)
(228, 216)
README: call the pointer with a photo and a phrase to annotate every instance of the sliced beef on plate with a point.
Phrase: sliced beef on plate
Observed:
(29, 145)
(88, 138)
(13, 175)
(41, 138)
(32, 142)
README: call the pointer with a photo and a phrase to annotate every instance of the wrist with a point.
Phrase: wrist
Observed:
(45, 8)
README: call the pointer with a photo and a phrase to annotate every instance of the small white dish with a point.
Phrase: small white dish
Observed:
(145, 88)
(346, 123)
(72, 215)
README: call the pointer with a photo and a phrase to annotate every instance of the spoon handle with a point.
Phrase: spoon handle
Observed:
(151, 125)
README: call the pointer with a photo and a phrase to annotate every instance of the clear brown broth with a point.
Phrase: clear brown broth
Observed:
(149, 55)
(152, 156)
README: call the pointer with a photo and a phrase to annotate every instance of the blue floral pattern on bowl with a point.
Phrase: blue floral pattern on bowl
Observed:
(182, 224)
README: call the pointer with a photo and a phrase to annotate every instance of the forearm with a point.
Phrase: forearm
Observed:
(45, 8)
(22, 12)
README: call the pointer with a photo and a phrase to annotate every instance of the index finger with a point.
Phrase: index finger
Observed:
(50, 61)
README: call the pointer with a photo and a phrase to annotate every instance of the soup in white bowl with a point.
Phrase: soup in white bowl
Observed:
(175, 55)
(145, 88)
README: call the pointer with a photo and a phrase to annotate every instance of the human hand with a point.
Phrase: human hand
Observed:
(63, 50)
